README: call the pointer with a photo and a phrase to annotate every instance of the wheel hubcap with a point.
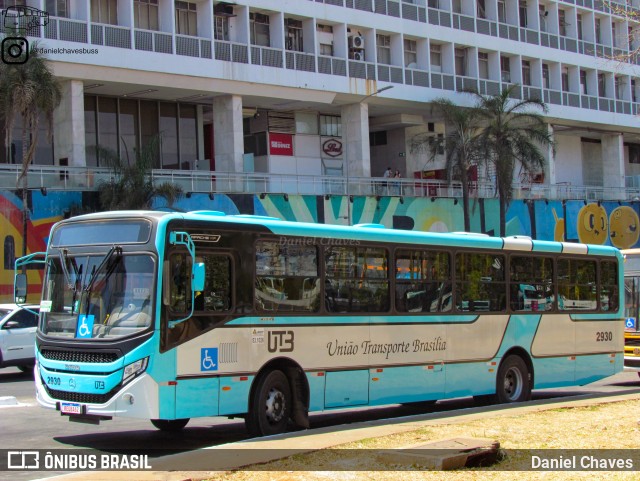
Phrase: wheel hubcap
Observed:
(513, 383)
(275, 406)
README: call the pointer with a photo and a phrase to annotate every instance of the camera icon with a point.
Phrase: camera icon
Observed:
(14, 50)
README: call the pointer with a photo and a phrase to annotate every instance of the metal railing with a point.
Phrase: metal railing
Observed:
(54, 178)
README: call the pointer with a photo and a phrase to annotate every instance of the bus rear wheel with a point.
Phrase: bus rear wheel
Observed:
(270, 405)
(170, 425)
(513, 382)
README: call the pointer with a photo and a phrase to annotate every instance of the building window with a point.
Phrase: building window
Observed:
(461, 61)
(436, 58)
(259, 26)
(565, 79)
(58, 8)
(104, 11)
(187, 18)
(456, 6)
(502, 11)
(383, 44)
(634, 158)
(481, 10)
(598, 31)
(483, 65)
(602, 86)
(579, 26)
(294, 34)
(378, 138)
(145, 13)
(543, 13)
(330, 126)
(546, 83)
(614, 35)
(221, 28)
(505, 69)
(526, 72)
(562, 23)
(90, 131)
(522, 8)
(410, 53)
(434, 4)
(633, 90)
(583, 82)
(325, 39)
(620, 86)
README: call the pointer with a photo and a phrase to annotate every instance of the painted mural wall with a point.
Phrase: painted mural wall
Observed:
(605, 223)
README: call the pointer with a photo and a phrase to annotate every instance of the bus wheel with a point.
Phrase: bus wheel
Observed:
(270, 405)
(513, 384)
(170, 425)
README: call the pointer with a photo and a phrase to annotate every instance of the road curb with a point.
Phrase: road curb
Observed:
(8, 401)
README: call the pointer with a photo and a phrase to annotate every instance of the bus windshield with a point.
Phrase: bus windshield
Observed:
(97, 296)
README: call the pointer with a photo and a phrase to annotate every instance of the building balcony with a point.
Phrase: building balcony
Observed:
(55, 178)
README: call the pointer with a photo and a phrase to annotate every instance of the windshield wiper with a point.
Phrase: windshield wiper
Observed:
(94, 275)
(63, 262)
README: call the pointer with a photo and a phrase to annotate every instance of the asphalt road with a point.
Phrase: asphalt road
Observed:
(28, 426)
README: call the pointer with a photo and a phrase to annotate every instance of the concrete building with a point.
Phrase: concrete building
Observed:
(333, 89)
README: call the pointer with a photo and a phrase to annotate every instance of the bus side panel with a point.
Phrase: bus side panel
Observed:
(234, 394)
(197, 397)
(406, 384)
(316, 390)
(594, 367)
(167, 397)
(467, 379)
(554, 371)
(346, 388)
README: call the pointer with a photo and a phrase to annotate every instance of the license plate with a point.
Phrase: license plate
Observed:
(71, 408)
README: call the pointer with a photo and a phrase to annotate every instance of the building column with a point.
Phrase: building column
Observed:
(68, 118)
(355, 138)
(228, 135)
(613, 162)
(550, 160)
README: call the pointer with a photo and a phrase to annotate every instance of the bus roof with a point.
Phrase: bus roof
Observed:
(366, 232)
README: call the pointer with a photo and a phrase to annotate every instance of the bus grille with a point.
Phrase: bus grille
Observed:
(79, 356)
(632, 342)
(79, 397)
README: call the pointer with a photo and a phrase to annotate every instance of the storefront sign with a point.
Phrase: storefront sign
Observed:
(332, 147)
(280, 144)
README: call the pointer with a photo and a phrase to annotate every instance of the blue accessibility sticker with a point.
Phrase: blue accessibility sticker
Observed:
(209, 359)
(631, 323)
(84, 328)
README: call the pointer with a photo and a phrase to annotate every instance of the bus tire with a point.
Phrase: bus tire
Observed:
(170, 425)
(270, 405)
(513, 383)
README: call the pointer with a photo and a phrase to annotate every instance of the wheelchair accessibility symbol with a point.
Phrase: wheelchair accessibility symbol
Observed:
(209, 359)
(630, 324)
(85, 326)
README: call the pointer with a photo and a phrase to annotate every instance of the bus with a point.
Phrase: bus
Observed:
(171, 316)
(631, 306)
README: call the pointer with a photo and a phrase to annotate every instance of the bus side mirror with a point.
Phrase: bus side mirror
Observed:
(198, 277)
(20, 288)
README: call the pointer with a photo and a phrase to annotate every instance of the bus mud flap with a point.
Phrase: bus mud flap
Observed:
(300, 413)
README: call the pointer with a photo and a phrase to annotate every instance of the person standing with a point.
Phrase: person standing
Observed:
(398, 183)
(387, 175)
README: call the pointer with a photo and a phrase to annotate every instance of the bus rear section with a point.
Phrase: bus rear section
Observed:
(631, 309)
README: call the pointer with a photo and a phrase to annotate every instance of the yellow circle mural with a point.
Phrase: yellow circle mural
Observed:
(592, 224)
(623, 227)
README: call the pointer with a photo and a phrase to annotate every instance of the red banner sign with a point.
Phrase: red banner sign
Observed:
(280, 144)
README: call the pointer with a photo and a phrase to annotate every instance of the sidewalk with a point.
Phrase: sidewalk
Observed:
(236, 455)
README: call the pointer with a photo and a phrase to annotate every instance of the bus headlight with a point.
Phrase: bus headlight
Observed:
(134, 369)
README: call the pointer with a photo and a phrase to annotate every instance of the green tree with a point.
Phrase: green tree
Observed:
(512, 131)
(460, 146)
(131, 185)
(28, 89)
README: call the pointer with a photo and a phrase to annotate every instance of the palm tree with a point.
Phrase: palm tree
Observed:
(28, 89)
(131, 185)
(511, 132)
(460, 146)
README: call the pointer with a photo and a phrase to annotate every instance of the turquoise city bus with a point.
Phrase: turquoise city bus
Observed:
(171, 316)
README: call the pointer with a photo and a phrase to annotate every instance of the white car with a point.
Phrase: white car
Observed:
(18, 336)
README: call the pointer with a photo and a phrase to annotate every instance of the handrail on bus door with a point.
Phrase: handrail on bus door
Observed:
(197, 270)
